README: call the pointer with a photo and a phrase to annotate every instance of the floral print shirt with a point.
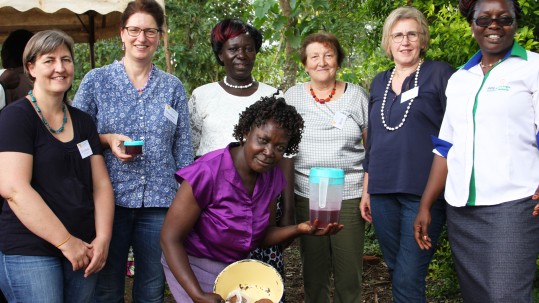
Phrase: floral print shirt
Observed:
(108, 95)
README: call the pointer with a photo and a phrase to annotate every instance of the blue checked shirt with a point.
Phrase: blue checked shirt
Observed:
(116, 107)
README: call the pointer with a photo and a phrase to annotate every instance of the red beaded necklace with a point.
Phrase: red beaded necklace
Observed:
(321, 100)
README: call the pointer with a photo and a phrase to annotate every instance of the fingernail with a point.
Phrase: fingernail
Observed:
(425, 238)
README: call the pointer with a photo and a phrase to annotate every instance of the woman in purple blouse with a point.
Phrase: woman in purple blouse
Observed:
(226, 203)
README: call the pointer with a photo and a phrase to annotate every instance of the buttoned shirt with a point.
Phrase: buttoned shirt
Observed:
(489, 131)
(232, 222)
(108, 95)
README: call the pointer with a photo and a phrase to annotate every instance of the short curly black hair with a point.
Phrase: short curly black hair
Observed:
(467, 9)
(276, 109)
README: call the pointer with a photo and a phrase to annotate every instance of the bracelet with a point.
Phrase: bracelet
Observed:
(64, 242)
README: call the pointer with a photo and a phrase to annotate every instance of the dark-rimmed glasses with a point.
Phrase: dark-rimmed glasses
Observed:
(485, 21)
(412, 36)
(134, 31)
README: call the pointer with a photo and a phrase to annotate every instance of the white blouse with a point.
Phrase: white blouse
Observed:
(214, 113)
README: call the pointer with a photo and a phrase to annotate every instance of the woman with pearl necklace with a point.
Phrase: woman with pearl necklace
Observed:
(406, 108)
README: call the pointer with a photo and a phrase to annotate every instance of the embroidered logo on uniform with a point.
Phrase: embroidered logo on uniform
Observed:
(502, 86)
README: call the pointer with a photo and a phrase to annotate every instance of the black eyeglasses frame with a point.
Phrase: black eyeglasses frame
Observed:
(501, 21)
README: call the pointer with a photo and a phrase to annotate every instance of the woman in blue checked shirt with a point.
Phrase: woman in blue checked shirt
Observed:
(134, 100)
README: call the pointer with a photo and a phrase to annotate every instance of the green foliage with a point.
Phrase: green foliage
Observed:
(442, 283)
(357, 24)
(447, 29)
(372, 248)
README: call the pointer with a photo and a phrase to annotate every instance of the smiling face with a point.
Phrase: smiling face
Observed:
(321, 62)
(406, 53)
(53, 71)
(264, 146)
(494, 40)
(140, 47)
(238, 55)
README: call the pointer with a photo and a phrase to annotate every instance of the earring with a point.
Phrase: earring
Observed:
(123, 46)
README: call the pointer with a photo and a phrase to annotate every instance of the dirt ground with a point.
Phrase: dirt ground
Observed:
(376, 286)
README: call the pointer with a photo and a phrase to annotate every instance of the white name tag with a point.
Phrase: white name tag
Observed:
(338, 120)
(171, 114)
(409, 94)
(84, 149)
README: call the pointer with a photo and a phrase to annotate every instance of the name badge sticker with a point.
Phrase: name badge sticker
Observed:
(409, 94)
(338, 120)
(84, 149)
(171, 114)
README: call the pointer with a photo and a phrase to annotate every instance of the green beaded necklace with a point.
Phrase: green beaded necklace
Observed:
(64, 121)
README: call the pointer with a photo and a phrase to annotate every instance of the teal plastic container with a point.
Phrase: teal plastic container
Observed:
(325, 194)
(134, 147)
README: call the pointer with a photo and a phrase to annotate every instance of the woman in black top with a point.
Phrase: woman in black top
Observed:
(57, 219)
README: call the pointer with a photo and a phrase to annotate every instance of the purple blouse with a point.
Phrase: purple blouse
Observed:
(232, 222)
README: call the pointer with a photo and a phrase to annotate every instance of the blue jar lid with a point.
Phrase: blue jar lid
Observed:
(335, 175)
(133, 143)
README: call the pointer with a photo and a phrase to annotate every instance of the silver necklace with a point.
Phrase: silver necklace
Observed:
(488, 65)
(240, 86)
(409, 103)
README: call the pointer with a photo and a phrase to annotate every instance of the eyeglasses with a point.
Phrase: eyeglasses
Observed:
(134, 31)
(485, 21)
(412, 36)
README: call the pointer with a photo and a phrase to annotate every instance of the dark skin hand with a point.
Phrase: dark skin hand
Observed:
(535, 197)
(435, 185)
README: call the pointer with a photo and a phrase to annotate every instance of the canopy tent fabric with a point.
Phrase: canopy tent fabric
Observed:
(85, 21)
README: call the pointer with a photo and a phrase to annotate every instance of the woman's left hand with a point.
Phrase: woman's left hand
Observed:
(535, 197)
(313, 229)
(100, 252)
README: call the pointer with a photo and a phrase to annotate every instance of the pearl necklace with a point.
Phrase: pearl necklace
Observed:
(488, 65)
(64, 121)
(409, 103)
(239, 86)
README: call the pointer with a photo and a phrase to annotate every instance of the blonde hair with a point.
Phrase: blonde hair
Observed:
(405, 12)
